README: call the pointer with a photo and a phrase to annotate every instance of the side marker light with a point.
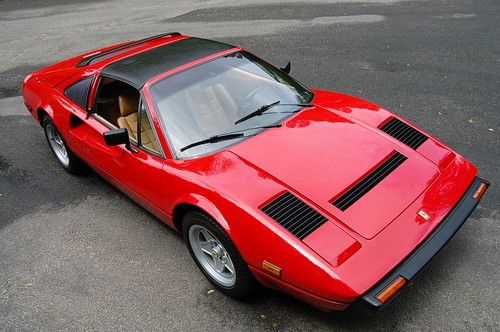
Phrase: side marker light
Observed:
(271, 268)
(391, 290)
(480, 191)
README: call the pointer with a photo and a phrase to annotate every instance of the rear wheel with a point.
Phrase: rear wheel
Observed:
(217, 256)
(66, 158)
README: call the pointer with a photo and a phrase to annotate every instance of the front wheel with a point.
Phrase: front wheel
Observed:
(66, 158)
(217, 256)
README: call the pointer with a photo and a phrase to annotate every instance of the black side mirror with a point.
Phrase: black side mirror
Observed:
(285, 67)
(117, 136)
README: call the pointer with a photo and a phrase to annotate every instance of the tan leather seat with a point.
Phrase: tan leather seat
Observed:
(212, 107)
(128, 105)
(128, 119)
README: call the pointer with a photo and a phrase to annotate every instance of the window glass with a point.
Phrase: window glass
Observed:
(147, 137)
(208, 99)
(79, 91)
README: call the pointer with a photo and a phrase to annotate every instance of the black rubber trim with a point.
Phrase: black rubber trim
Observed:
(431, 246)
(86, 61)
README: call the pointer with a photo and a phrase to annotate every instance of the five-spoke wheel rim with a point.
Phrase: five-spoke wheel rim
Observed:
(57, 144)
(212, 255)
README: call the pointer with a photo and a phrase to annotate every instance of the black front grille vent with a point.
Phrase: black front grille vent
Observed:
(404, 133)
(369, 181)
(294, 214)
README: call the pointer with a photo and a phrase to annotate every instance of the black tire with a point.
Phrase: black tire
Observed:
(245, 284)
(74, 165)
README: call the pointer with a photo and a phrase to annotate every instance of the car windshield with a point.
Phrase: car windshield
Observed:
(206, 101)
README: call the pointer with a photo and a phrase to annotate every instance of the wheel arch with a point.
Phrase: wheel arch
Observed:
(41, 113)
(201, 204)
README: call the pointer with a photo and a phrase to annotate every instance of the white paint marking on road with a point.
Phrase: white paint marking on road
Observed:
(325, 20)
(456, 15)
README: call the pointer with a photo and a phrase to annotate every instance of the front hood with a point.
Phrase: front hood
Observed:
(320, 155)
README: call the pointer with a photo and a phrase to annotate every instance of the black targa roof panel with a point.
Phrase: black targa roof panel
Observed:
(140, 68)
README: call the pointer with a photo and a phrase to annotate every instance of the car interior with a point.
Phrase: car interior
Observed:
(198, 107)
(211, 105)
(200, 104)
(118, 104)
(202, 110)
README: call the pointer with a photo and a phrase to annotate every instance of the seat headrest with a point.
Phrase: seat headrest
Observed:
(128, 104)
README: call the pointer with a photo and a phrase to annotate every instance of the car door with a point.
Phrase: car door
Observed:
(136, 171)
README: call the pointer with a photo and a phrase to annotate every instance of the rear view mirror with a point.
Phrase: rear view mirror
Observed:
(117, 136)
(285, 67)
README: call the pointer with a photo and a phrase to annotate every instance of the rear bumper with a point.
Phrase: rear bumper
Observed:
(430, 247)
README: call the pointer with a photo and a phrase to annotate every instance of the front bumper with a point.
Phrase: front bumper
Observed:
(419, 258)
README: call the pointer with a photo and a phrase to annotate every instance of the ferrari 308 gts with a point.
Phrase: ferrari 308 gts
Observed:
(318, 194)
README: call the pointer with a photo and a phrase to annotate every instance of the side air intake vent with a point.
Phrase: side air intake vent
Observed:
(404, 133)
(369, 181)
(294, 215)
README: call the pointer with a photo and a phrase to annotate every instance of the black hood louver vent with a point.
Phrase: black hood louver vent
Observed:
(294, 214)
(369, 181)
(404, 133)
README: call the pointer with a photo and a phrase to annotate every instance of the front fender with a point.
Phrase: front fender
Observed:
(205, 205)
(230, 189)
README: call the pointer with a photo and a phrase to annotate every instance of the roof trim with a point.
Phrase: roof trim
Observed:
(88, 59)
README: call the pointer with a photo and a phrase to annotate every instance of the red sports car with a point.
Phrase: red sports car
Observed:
(321, 195)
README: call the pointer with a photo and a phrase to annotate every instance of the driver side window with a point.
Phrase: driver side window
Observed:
(118, 105)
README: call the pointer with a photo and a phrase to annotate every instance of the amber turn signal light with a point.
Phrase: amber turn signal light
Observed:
(271, 268)
(480, 191)
(391, 290)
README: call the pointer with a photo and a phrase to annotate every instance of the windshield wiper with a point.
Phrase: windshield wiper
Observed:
(213, 139)
(228, 136)
(264, 108)
(277, 125)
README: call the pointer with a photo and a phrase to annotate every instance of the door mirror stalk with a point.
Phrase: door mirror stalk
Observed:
(90, 111)
(118, 136)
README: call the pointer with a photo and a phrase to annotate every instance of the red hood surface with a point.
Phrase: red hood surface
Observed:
(319, 155)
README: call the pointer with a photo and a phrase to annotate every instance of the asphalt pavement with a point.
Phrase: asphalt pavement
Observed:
(76, 254)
